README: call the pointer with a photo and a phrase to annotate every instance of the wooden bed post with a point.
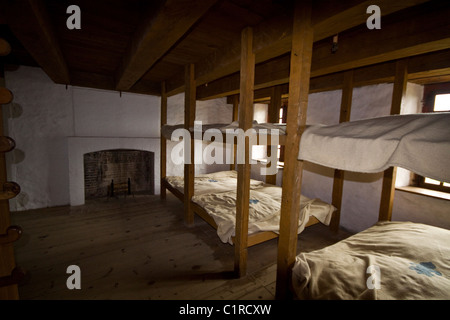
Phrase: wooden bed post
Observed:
(338, 182)
(235, 118)
(388, 188)
(247, 78)
(300, 69)
(189, 117)
(7, 259)
(274, 115)
(163, 148)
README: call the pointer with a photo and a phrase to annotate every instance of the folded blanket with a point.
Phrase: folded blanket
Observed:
(417, 142)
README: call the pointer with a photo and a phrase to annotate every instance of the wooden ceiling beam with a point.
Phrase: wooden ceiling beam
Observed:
(157, 35)
(273, 38)
(422, 67)
(30, 23)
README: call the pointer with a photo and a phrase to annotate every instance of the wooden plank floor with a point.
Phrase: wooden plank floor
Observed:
(139, 248)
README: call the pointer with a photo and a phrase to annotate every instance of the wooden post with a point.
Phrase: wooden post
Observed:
(247, 79)
(301, 53)
(235, 118)
(338, 182)
(7, 260)
(189, 117)
(274, 115)
(388, 188)
(163, 148)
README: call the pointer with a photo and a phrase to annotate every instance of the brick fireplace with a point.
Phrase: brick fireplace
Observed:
(119, 166)
(81, 146)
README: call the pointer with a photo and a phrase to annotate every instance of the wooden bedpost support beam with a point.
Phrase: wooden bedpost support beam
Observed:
(300, 70)
(245, 122)
(273, 115)
(163, 148)
(189, 117)
(388, 187)
(235, 101)
(338, 182)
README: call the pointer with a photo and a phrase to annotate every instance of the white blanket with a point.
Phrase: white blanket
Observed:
(212, 182)
(264, 211)
(417, 142)
(407, 261)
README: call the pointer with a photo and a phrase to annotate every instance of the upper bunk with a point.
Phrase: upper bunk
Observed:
(417, 142)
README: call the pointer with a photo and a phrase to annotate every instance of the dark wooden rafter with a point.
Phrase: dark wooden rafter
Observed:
(156, 37)
(30, 23)
(273, 38)
(369, 52)
(301, 54)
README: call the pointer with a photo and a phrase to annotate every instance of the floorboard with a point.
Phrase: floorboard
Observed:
(139, 248)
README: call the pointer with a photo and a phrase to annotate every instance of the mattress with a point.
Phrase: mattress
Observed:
(212, 182)
(264, 211)
(388, 261)
(417, 142)
(216, 193)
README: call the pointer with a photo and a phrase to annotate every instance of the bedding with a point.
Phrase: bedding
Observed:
(417, 142)
(216, 193)
(409, 261)
(264, 211)
(212, 182)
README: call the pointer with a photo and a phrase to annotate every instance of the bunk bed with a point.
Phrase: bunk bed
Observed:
(215, 201)
(412, 258)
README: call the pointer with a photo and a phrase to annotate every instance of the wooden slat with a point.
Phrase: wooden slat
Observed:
(338, 182)
(31, 24)
(301, 54)
(388, 186)
(273, 117)
(163, 148)
(157, 35)
(189, 117)
(235, 117)
(245, 122)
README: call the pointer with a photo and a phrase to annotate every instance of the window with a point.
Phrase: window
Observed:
(436, 99)
(282, 119)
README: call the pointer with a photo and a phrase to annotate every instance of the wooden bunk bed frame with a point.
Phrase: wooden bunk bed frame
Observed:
(299, 89)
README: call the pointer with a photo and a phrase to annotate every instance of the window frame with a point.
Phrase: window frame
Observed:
(429, 97)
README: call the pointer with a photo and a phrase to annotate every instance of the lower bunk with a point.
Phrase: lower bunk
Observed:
(390, 260)
(215, 197)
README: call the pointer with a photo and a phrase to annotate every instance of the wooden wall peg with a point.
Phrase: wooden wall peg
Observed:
(10, 190)
(6, 96)
(6, 144)
(17, 274)
(13, 233)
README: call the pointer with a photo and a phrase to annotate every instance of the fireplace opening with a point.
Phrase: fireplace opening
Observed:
(131, 168)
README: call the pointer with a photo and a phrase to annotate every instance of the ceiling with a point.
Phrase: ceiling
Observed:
(135, 45)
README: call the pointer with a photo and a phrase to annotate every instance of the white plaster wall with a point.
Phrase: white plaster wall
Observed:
(43, 115)
(39, 119)
(102, 113)
(210, 111)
